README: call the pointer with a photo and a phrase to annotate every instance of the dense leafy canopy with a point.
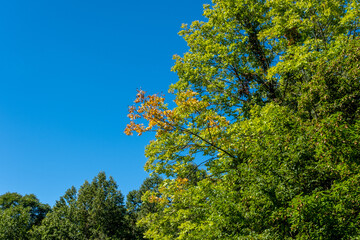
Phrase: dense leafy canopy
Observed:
(267, 111)
(19, 214)
(96, 211)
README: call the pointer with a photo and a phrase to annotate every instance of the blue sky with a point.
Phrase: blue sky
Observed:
(68, 72)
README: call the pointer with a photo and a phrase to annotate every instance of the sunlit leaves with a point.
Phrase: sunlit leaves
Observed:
(267, 110)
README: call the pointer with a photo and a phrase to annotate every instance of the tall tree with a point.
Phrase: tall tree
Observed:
(267, 102)
(19, 214)
(96, 211)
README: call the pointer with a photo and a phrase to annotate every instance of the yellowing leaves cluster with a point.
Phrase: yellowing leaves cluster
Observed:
(150, 108)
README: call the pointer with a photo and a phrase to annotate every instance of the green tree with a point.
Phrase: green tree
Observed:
(267, 103)
(136, 208)
(19, 214)
(96, 211)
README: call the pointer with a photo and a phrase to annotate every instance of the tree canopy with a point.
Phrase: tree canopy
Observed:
(19, 214)
(95, 211)
(267, 111)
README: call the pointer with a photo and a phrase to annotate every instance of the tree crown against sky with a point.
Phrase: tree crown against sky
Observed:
(95, 211)
(267, 104)
(19, 214)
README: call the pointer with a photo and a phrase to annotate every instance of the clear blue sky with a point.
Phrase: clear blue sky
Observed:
(68, 72)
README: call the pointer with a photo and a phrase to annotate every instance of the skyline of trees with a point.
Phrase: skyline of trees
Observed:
(262, 141)
(95, 211)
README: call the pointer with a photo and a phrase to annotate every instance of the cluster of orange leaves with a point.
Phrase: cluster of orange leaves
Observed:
(181, 184)
(155, 199)
(181, 181)
(152, 109)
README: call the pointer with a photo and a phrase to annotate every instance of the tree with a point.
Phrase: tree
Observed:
(96, 211)
(267, 103)
(137, 209)
(19, 214)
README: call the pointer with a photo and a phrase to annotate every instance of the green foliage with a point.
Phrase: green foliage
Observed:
(14, 223)
(136, 208)
(19, 214)
(267, 109)
(96, 211)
